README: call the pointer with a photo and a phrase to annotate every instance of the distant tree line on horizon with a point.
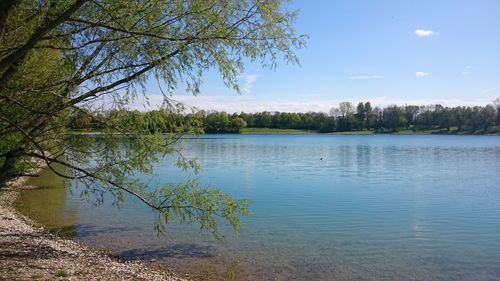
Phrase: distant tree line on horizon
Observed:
(344, 118)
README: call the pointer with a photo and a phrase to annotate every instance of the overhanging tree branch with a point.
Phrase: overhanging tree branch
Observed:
(21, 52)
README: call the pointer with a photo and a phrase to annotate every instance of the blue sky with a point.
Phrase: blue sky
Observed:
(387, 52)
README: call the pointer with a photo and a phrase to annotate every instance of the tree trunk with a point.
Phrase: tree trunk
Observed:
(8, 169)
(5, 8)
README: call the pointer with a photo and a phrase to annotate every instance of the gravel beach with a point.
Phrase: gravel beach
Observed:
(28, 252)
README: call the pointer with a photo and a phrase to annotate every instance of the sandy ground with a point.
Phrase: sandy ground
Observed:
(31, 253)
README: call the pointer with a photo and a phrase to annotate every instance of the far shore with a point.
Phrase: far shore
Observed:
(452, 131)
(29, 252)
(273, 131)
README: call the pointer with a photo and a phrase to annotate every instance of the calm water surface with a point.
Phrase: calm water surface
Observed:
(324, 207)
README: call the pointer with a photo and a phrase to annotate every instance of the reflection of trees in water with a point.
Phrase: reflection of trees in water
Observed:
(48, 203)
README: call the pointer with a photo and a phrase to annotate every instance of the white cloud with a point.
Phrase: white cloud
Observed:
(467, 70)
(424, 32)
(421, 74)
(363, 77)
(248, 81)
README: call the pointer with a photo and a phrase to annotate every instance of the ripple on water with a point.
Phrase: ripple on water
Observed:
(375, 208)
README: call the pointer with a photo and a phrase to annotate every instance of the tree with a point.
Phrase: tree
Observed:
(393, 117)
(425, 117)
(328, 125)
(474, 121)
(410, 113)
(459, 116)
(487, 116)
(56, 56)
(378, 116)
(237, 124)
(361, 115)
(445, 119)
(346, 108)
(80, 120)
(335, 112)
(370, 119)
(264, 119)
(496, 106)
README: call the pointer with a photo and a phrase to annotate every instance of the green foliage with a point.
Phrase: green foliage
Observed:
(390, 119)
(61, 273)
(237, 124)
(78, 63)
(221, 122)
(187, 202)
(393, 117)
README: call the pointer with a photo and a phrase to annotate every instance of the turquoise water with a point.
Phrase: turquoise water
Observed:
(324, 207)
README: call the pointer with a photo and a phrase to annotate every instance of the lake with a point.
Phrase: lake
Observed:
(324, 207)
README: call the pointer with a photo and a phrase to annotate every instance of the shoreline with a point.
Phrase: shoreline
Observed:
(29, 252)
(268, 131)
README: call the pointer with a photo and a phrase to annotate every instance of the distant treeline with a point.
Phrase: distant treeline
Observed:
(346, 117)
